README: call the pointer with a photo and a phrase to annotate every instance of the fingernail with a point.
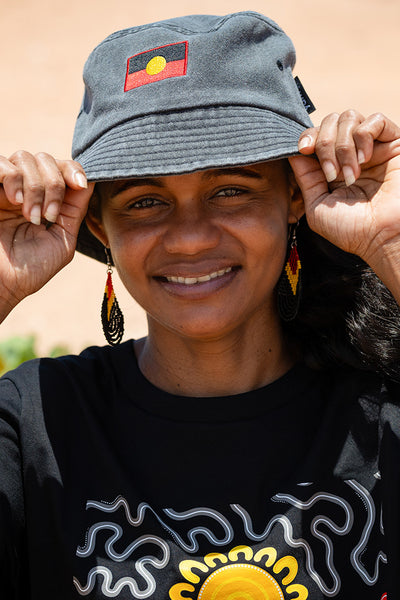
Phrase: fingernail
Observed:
(80, 179)
(36, 214)
(348, 175)
(19, 197)
(329, 170)
(51, 212)
(305, 142)
(361, 157)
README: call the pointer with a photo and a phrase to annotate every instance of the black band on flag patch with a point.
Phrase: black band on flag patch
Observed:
(170, 52)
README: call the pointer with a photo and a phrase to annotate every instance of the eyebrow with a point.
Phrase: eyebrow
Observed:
(118, 188)
(240, 171)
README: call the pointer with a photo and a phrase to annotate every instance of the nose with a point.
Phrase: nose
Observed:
(190, 232)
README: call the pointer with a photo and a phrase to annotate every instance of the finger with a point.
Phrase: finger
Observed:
(33, 185)
(306, 143)
(346, 149)
(54, 186)
(376, 127)
(11, 179)
(325, 147)
(73, 174)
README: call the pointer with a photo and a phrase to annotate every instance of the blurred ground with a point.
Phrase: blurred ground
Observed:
(347, 56)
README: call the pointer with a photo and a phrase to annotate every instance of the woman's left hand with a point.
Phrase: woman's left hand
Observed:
(351, 185)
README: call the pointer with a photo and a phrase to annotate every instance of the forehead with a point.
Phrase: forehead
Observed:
(257, 172)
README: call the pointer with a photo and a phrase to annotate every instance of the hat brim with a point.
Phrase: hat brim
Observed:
(181, 142)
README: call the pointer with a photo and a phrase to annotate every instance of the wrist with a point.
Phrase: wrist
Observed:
(385, 262)
(7, 303)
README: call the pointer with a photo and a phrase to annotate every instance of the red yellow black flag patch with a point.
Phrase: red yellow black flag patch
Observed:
(156, 64)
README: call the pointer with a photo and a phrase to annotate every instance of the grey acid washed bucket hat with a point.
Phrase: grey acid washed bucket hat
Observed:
(187, 94)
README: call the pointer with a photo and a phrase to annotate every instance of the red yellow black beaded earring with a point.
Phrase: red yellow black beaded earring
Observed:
(289, 284)
(112, 318)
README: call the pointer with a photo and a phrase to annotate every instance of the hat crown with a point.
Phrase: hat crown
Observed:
(231, 61)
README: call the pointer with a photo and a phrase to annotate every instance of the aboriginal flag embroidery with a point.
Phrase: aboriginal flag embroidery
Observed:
(156, 64)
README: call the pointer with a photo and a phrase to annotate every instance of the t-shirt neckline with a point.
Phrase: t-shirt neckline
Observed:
(246, 405)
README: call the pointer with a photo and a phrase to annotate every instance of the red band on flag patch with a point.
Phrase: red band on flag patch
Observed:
(156, 64)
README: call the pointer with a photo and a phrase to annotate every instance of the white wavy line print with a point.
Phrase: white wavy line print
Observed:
(203, 512)
(106, 587)
(129, 582)
(357, 552)
(192, 533)
(300, 542)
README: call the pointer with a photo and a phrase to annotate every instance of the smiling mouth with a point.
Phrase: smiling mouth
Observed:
(201, 279)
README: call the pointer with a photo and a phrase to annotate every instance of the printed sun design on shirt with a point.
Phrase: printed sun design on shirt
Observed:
(259, 576)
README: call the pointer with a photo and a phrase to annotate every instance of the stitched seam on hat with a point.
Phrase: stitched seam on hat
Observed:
(105, 154)
(122, 136)
(179, 135)
(125, 32)
(160, 146)
(154, 124)
(138, 121)
(110, 172)
(165, 151)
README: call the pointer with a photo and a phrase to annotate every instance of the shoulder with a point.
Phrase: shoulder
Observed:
(96, 368)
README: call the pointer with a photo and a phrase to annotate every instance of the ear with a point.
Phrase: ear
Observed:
(296, 206)
(94, 222)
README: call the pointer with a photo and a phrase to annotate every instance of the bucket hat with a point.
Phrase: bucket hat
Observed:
(185, 94)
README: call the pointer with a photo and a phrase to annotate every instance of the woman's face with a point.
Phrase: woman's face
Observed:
(201, 252)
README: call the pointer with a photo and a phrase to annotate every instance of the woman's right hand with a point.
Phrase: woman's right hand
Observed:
(42, 204)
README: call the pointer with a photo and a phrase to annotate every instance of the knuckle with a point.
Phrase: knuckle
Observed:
(332, 117)
(11, 172)
(56, 187)
(323, 144)
(42, 156)
(20, 156)
(378, 116)
(361, 134)
(343, 150)
(349, 115)
(36, 188)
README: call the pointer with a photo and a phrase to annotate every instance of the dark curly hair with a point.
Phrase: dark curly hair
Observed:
(347, 317)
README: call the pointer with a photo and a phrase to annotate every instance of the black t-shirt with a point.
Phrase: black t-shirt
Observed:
(112, 488)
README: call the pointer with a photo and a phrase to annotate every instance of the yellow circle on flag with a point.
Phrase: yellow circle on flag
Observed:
(155, 65)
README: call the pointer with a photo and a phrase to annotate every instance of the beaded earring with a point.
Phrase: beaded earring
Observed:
(112, 318)
(289, 284)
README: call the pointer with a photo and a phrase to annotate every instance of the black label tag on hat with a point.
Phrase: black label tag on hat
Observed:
(308, 105)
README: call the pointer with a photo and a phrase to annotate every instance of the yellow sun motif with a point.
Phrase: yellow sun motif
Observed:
(156, 65)
(233, 580)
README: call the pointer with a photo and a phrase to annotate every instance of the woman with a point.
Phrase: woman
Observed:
(248, 446)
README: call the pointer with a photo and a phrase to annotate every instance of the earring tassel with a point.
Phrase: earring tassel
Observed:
(112, 318)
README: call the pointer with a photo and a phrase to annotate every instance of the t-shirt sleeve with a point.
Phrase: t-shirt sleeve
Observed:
(389, 467)
(11, 493)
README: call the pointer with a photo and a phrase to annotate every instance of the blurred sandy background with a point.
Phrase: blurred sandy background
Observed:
(347, 56)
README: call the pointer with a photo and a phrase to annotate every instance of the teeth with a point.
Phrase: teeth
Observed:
(202, 279)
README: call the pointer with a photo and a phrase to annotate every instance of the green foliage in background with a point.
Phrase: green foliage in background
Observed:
(17, 350)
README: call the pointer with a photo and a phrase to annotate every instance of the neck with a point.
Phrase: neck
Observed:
(242, 361)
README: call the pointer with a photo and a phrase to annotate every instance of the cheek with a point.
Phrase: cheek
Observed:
(130, 249)
(267, 236)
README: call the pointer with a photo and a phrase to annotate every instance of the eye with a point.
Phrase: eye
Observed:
(146, 203)
(229, 192)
